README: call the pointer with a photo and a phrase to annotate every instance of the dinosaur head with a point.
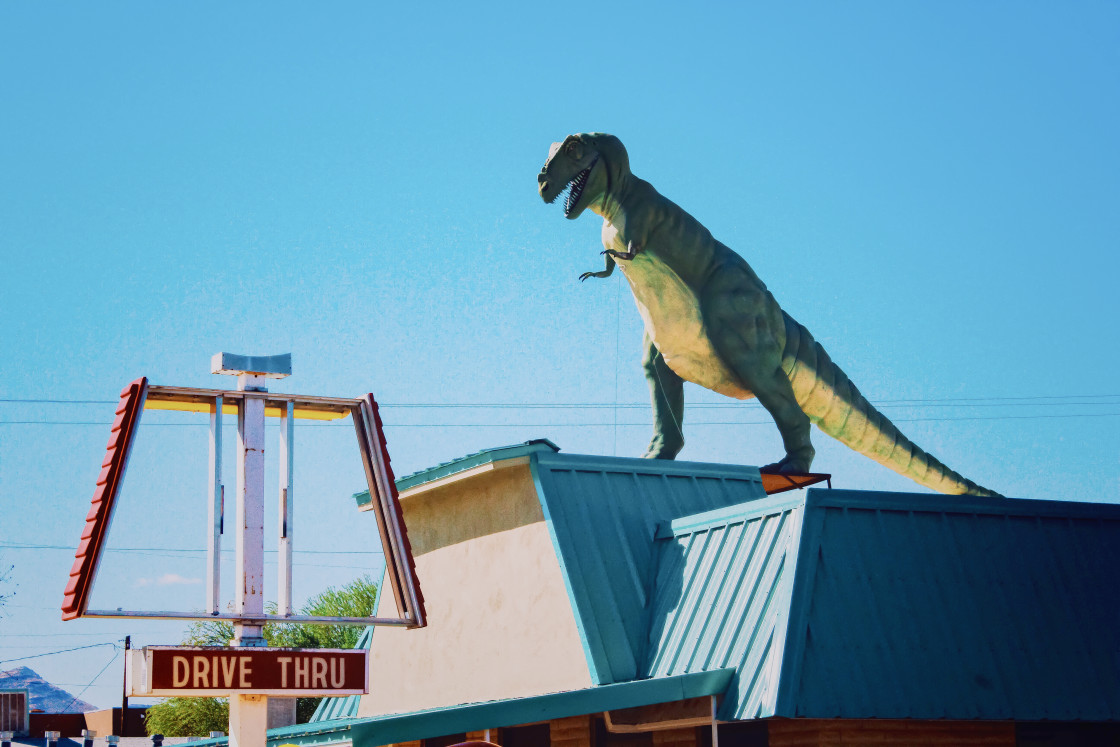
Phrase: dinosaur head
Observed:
(587, 166)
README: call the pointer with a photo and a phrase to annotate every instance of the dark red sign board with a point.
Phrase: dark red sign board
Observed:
(275, 671)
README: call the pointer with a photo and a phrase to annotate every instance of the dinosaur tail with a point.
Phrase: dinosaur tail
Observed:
(832, 401)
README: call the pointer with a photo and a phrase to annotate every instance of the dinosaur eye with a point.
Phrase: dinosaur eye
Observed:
(572, 149)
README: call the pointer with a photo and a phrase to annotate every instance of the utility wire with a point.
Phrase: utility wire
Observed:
(83, 691)
(55, 635)
(583, 405)
(584, 424)
(33, 546)
(62, 651)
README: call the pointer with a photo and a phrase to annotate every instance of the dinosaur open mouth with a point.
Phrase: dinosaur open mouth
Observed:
(575, 188)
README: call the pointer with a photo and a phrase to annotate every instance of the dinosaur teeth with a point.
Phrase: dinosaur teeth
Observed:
(574, 189)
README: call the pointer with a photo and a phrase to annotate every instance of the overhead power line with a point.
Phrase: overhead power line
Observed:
(95, 677)
(58, 635)
(60, 651)
(36, 546)
(587, 424)
(948, 401)
(1080, 401)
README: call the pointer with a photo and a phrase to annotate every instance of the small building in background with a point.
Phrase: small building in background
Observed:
(15, 710)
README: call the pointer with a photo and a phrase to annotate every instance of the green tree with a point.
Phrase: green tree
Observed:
(187, 717)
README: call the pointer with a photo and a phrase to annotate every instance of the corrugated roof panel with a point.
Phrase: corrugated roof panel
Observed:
(723, 584)
(464, 464)
(916, 606)
(603, 513)
(345, 707)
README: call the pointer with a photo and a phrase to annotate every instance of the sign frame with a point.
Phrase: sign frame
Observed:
(400, 565)
(141, 666)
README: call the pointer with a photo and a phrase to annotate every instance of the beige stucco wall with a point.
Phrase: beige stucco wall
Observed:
(499, 620)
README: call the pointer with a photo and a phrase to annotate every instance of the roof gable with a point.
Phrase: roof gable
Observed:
(603, 514)
(722, 598)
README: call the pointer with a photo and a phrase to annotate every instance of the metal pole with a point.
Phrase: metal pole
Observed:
(124, 686)
(248, 714)
(215, 509)
(249, 593)
(287, 496)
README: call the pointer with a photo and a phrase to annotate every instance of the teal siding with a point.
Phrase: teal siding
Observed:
(405, 727)
(345, 707)
(919, 606)
(723, 585)
(603, 513)
(500, 713)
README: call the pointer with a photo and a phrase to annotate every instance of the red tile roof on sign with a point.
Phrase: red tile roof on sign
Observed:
(398, 516)
(100, 515)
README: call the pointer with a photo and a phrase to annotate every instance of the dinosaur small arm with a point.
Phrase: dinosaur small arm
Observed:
(710, 320)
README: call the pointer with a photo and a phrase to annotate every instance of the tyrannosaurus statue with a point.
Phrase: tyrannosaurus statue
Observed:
(710, 320)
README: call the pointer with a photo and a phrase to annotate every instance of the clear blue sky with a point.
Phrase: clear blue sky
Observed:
(931, 188)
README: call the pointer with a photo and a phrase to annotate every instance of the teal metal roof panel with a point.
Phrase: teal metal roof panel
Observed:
(330, 709)
(501, 713)
(919, 606)
(495, 714)
(446, 469)
(722, 593)
(603, 514)
(305, 735)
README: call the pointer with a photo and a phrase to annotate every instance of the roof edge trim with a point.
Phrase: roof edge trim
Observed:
(592, 648)
(967, 504)
(796, 622)
(652, 466)
(501, 713)
(745, 511)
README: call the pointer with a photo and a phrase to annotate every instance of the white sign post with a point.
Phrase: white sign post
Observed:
(248, 712)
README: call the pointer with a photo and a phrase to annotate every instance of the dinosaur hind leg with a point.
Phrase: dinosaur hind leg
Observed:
(776, 395)
(747, 344)
(666, 391)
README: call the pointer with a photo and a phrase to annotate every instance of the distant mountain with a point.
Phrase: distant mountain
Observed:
(44, 695)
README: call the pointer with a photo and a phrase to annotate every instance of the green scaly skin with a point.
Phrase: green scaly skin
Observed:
(710, 320)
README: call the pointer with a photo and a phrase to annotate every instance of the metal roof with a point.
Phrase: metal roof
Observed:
(849, 604)
(345, 707)
(832, 603)
(920, 606)
(603, 513)
(465, 464)
(724, 580)
(402, 727)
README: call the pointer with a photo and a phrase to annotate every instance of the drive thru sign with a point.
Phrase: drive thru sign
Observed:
(165, 671)
(250, 673)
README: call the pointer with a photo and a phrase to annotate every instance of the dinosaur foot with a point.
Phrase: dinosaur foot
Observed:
(659, 449)
(794, 464)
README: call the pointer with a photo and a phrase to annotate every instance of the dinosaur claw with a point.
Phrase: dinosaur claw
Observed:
(632, 250)
(798, 463)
